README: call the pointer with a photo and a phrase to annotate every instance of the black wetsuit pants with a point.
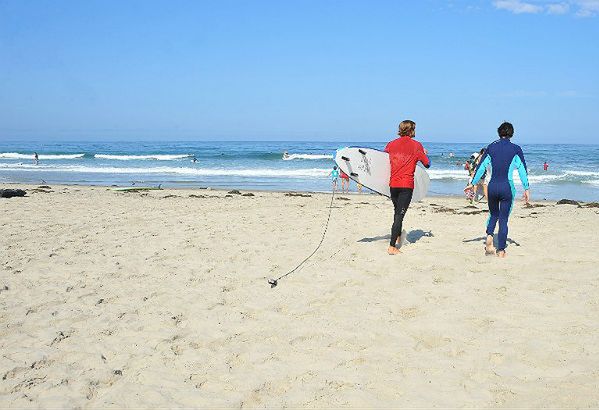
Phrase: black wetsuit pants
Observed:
(401, 198)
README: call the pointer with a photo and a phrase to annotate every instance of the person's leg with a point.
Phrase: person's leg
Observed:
(401, 198)
(505, 208)
(493, 203)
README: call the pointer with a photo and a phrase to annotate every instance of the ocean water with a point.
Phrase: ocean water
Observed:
(573, 169)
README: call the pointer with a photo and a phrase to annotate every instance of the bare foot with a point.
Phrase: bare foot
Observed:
(489, 248)
(501, 254)
(392, 250)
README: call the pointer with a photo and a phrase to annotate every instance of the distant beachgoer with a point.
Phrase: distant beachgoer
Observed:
(334, 174)
(404, 153)
(344, 182)
(481, 184)
(470, 166)
(36, 158)
(545, 166)
(503, 157)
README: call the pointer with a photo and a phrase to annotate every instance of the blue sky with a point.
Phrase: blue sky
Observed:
(298, 70)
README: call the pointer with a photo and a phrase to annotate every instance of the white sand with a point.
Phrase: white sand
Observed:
(136, 300)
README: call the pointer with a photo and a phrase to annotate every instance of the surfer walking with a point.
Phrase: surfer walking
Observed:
(503, 156)
(404, 153)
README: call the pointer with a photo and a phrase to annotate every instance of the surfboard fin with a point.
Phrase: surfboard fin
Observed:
(353, 174)
(345, 159)
(361, 151)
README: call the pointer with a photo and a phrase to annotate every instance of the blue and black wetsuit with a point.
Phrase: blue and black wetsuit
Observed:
(503, 157)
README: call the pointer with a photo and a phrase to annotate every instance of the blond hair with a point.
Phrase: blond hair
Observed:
(407, 128)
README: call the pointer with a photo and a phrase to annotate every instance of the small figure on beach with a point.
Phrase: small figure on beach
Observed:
(404, 153)
(502, 156)
(344, 182)
(470, 166)
(482, 185)
(36, 158)
(334, 174)
(545, 166)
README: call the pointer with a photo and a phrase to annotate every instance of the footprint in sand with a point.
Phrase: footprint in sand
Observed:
(496, 358)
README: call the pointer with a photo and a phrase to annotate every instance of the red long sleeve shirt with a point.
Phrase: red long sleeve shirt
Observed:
(404, 153)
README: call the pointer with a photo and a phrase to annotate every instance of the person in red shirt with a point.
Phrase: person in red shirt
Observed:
(344, 182)
(404, 153)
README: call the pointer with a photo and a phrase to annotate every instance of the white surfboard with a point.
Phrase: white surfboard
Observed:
(371, 168)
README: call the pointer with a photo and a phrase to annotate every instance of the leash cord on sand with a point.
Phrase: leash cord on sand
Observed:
(274, 282)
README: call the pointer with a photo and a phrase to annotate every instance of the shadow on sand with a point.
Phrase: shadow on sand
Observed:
(411, 237)
(483, 238)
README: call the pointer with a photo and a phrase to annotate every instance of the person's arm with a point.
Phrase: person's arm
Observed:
(522, 170)
(480, 170)
(523, 173)
(423, 158)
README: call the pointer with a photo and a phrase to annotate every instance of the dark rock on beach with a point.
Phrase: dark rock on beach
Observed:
(10, 193)
(247, 194)
(591, 205)
(568, 202)
(298, 194)
(235, 192)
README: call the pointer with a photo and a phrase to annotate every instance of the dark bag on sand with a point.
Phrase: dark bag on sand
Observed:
(9, 193)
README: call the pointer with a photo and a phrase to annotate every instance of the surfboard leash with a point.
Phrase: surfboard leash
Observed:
(275, 282)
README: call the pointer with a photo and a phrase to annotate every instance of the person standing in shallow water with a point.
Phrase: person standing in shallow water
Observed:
(503, 157)
(404, 153)
(334, 174)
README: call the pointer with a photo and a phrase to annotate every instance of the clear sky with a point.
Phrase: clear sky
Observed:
(298, 70)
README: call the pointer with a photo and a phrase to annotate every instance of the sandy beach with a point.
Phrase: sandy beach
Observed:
(160, 299)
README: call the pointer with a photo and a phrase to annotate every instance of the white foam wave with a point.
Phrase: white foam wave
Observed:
(156, 157)
(592, 181)
(259, 172)
(16, 155)
(307, 156)
(583, 173)
(448, 174)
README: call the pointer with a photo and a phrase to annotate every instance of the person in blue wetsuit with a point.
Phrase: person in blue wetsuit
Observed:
(503, 157)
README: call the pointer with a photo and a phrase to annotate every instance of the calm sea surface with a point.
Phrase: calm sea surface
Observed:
(573, 169)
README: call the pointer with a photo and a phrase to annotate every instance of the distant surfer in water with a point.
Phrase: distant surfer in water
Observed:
(36, 158)
(404, 153)
(285, 155)
(504, 157)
